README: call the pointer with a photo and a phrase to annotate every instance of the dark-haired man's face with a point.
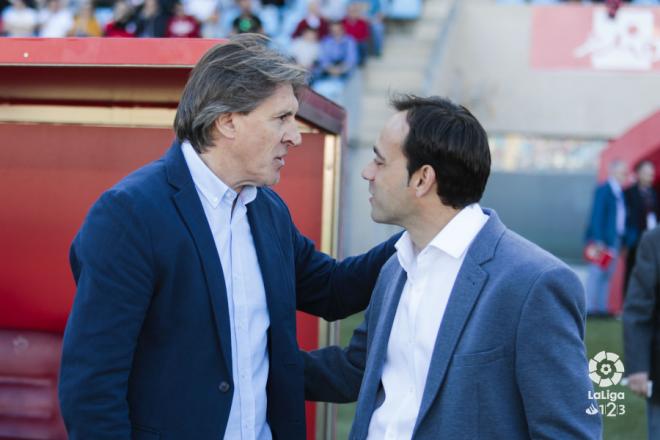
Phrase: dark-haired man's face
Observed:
(391, 195)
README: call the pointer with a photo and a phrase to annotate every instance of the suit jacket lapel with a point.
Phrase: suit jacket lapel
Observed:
(191, 211)
(378, 350)
(267, 246)
(468, 286)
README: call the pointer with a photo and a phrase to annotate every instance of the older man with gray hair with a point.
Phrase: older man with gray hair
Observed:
(189, 272)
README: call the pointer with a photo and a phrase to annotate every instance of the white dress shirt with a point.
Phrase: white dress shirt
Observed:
(248, 311)
(430, 278)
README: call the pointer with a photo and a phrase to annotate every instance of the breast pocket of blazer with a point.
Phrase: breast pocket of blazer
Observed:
(479, 358)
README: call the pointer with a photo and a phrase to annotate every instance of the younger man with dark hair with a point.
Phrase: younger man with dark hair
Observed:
(472, 331)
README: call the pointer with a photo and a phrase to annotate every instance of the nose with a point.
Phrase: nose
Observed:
(368, 171)
(292, 135)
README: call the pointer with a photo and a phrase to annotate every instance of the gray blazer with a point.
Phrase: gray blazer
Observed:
(641, 316)
(509, 359)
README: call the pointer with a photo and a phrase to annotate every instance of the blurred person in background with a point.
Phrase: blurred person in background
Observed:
(20, 19)
(376, 16)
(313, 20)
(642, 214)
(152, 21)
(55, 20)
(337, 60)
(247, 21)
(85, 23)
(182, 25)
(641, 328)
(606, 231)
(357, 27)
(121, 25)
(305, 49)
(339, 53)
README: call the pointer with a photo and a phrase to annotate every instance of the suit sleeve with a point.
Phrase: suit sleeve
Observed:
(335, 290)
(551, 364)
(596, 228)
(334, 374)
(640, 307)
(112, 262)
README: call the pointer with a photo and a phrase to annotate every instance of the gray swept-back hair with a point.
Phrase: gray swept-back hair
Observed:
(235, 76)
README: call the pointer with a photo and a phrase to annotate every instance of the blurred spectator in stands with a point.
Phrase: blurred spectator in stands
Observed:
(376, 17)
(313, 20)
(20, 19)
(121, 25)
(152, 21)
(305, 49)
(202, 10)
(85, 23)
(333, 10)
(212, 26)
(55, 20)
(339, 53)
(606, 230)
(357, 27)
(247, 21)
(272, 15)
(337, 60)
(182, 25)
(642, 214)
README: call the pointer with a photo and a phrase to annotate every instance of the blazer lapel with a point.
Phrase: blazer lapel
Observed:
(267, 246)
(378, 350)
(464, 295)
(191, 211)
(468, 286)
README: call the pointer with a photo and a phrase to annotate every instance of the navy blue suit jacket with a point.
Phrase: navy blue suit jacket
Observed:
(602, 223)
(147, 351)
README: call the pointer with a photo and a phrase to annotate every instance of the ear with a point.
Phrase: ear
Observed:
(424, 181)
(226, 125)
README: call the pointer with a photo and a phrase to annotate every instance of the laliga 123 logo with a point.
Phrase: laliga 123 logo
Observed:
(606, 369)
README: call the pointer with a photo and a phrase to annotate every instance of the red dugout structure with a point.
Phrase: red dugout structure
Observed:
(639, 143)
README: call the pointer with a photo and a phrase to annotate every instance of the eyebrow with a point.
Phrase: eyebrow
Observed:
(285, 113)
(377, 153)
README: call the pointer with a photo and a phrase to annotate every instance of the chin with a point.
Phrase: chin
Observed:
(273, 180)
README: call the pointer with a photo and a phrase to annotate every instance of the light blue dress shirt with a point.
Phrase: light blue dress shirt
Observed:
(226, 212)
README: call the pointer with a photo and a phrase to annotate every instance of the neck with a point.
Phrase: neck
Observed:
(222, 167)
(424, 227)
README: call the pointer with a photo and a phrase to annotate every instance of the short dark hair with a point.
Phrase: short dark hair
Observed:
(451, 140)
(642, 163)
(235, 76)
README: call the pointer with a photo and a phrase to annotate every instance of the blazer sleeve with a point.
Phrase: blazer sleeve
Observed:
(640, 306)
(596, 223)
(334, 374)
(112, 262)
(551, 364)
(335, 290)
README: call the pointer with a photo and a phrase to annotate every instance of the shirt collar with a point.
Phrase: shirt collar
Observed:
(209, 185)
(454, 239)
(616, 187)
